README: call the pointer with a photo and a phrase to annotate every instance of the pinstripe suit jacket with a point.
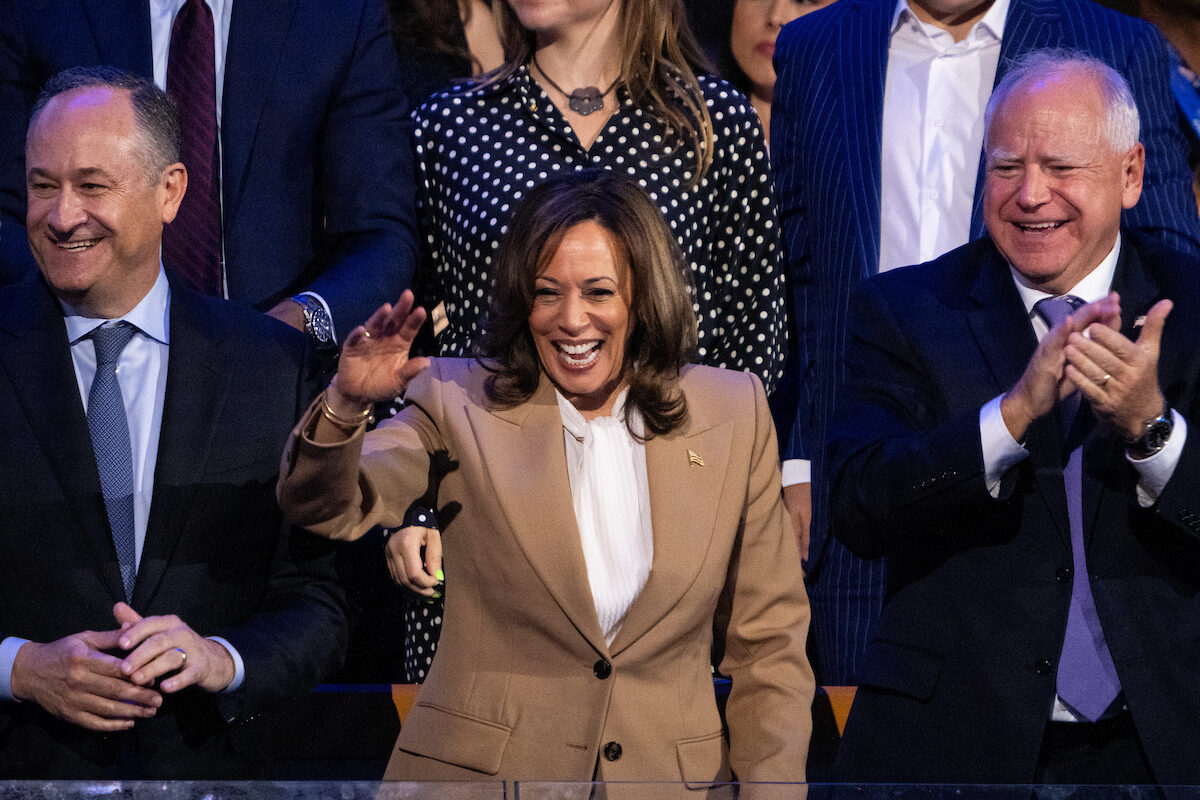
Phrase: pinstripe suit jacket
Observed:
(826, 143)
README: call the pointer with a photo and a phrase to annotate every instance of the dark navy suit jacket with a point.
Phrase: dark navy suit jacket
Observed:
(316, 155)
(216, 553)
(959, 677)
(826, 148)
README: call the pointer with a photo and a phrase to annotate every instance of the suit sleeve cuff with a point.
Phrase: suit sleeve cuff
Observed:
(1001, 452)
(239, 666)
(797, 470)
(1157, 469)
(8, 656)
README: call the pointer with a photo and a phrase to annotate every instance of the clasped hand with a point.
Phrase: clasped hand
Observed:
(1088, 352)
(79, 679)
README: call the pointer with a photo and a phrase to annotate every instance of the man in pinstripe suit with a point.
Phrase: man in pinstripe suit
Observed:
(877, 147)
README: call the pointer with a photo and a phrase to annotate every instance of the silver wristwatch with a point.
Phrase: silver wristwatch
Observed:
(316, 320)
(1154, 436)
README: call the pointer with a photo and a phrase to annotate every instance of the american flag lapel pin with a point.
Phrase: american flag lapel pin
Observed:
(1140, 321)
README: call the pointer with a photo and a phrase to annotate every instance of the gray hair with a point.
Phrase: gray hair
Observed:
(154, 113)
(1121, 124)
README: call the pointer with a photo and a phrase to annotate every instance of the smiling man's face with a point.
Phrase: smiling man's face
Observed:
(1055, 185)
(95, 212)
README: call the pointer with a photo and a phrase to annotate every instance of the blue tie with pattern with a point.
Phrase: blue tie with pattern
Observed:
(110, 442)
(1087, 678)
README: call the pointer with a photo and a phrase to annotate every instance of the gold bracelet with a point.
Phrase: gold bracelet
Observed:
(328, 413)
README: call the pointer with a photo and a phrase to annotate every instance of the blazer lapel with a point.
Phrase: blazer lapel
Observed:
(197, 382)
(121, 29)
(523, 451)
(861, 89)
(1030, 25)
(685, 494)
(1005, 337)
(257, 31)
(42, 375)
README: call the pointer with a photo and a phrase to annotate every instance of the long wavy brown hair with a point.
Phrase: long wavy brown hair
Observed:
(660, 60)
(663, 337)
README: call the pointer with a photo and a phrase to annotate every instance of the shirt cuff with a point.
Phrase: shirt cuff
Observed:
(1157, 469)
(328, 313)
(239, 666)
(797, 470)
(1001, 452)
(8, 656)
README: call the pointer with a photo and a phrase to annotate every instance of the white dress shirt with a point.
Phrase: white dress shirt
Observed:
(933, 101)
(610, 491)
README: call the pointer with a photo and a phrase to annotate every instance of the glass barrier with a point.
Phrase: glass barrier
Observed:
(539, 790)
(252, 790)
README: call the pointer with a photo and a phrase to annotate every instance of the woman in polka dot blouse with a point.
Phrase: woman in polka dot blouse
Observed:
(693, 143)
(610, 84)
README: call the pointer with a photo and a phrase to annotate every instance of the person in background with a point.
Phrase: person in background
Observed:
(297, 141)
(617, 509)
(442, 41)
(739, 36)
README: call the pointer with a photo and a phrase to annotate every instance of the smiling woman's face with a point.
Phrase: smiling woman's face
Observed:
(580, 318)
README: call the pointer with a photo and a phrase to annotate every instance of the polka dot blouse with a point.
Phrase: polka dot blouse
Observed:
(480, 150)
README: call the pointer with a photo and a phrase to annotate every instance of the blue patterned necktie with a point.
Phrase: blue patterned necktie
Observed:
(1087, 678)
(110, 442)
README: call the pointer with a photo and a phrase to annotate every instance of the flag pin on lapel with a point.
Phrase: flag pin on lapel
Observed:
(1140, 321)
(694, 458)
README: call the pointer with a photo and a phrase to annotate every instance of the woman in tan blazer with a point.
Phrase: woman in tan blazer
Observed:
(610, 510)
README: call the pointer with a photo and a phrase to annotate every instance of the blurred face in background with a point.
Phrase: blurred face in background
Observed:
(756, 23)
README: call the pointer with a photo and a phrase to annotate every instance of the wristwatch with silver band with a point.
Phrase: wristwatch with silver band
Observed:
(316, 319)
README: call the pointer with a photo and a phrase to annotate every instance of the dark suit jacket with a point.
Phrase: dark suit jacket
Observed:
(216, 551)
(960, 674)
(316, 155)
(826, 145)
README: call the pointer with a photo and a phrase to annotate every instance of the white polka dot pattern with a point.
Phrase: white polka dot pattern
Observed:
(480, 150)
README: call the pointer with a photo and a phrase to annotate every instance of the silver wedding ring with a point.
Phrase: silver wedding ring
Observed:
(1104, 381)
(182, 657)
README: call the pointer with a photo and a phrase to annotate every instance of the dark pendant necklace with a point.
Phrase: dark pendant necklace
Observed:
(582, 101)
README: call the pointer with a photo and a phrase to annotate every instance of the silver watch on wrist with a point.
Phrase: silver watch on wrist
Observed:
(316, 320)
(1154, 436)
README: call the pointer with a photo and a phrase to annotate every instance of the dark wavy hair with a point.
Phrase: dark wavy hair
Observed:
(663, 336)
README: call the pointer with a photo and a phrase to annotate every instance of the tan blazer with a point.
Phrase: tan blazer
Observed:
(523, 685)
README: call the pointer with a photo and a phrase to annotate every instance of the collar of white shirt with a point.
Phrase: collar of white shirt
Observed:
(149, 316)
(991, 24)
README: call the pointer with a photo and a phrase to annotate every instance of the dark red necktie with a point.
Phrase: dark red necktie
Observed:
(192, 242)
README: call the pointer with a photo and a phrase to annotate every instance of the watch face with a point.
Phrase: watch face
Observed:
(1157, 434)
